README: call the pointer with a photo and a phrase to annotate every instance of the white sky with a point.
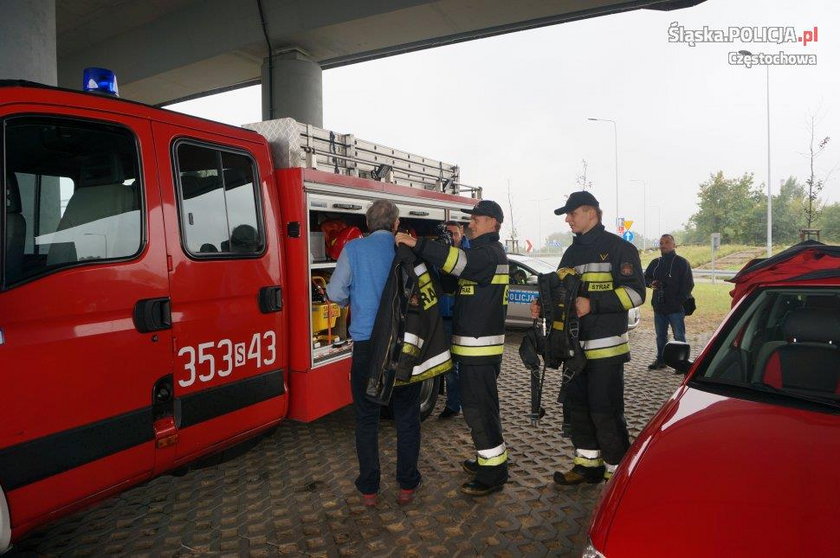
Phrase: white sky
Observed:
(513, 109)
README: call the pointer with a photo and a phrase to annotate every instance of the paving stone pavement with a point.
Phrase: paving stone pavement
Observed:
(292, 494)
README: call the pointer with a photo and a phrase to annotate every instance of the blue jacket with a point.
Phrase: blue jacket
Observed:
(359, 278)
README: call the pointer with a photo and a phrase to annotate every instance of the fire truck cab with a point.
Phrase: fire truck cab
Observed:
(157, 300)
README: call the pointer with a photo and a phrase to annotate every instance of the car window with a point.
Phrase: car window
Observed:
(518, 274)
(785, 341)
(535, 264)
(219, 202)
(73, 195)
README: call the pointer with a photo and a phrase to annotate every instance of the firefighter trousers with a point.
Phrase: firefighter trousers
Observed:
(480, 403)
(595, 404)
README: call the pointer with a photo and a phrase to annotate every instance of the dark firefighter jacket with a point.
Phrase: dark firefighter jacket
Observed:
(613, 282)
(675, 283)
(408, 343)
(478, 322)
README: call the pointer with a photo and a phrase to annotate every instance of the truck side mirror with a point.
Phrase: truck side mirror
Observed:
(676, 354)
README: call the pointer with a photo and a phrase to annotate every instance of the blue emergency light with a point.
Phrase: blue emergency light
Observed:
(100, 80)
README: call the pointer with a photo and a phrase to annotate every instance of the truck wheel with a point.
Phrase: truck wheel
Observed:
(428, 397)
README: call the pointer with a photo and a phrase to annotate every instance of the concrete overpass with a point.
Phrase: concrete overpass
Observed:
(166, 51)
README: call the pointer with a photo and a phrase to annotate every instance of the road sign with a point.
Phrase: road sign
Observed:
(528, 245)
(715, 241)
(628, 236)
(627, 224)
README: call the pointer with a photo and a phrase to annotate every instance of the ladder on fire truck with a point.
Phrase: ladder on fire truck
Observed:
(295, 144)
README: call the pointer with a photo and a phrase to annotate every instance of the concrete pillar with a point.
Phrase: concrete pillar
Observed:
(27, 41)
(293, 88)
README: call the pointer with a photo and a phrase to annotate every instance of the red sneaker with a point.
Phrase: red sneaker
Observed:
(406, 496)
(369, 500)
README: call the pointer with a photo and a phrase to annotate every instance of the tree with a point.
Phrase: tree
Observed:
(830, 224)
(728, 206)
(787, 212)
(815, 185)
(513, 233)
(581, 179)
(565, 238)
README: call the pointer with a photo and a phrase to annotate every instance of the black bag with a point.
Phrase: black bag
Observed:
(689, 306)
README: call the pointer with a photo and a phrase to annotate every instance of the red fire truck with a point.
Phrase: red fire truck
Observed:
(157, 300)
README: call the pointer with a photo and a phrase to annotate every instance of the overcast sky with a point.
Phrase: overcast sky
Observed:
(513, 109)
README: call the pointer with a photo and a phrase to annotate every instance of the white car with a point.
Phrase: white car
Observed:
(523, 289)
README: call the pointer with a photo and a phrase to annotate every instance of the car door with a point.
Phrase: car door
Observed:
(85, 248)
(226, 286)
(522, 290)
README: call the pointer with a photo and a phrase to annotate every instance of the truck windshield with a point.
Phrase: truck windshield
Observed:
(786, 342)
(72, 195)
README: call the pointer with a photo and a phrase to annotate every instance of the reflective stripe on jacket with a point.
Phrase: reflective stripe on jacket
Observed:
(481, 300)
(613, 282)
(409, 305)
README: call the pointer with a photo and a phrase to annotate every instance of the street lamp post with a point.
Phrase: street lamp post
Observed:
(769, 194)
(644, 212)
(615, 137)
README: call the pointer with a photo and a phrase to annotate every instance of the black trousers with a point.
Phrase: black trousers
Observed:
(595, 404)
(406, 405)
(480, 403)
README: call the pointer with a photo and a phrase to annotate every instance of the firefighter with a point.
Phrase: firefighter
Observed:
(612, 284)
(478, 336)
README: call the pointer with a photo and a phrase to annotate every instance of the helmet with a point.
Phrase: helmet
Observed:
(335, 244)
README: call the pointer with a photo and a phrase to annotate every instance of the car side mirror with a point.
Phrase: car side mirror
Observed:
(676, 354)
(531, 280)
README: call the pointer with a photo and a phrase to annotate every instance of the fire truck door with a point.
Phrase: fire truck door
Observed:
(226, 288)
(77, 372)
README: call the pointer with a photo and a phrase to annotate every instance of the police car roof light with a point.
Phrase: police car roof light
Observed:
(100, 80)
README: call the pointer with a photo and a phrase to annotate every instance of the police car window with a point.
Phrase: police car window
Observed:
(72, 194)
(518, 275)
(219, 202)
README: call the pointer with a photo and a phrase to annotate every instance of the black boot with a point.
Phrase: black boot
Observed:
(579, 475)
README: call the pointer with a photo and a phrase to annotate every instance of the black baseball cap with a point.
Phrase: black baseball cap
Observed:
(577, 199)
(487, 208)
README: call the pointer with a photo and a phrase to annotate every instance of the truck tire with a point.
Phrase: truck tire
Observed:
(428, 398)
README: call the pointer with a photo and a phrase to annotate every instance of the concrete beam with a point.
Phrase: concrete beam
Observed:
(27, 41)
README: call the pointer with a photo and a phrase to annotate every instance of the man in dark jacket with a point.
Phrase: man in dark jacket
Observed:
(447, 304)
(478, 336)
(672, 282)
(612, 283)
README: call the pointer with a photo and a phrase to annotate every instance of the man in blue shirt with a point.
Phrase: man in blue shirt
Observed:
(449, 283)
(359, 279)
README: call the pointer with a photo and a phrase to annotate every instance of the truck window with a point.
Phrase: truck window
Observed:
(72, 193)
(219, 211)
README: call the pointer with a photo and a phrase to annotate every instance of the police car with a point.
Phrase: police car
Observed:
(523, 289)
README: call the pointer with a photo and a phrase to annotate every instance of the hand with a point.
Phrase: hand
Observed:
(582, 306)
(535, 308)
(405, 238)
(656, 284)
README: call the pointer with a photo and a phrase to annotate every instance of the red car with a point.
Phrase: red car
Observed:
(742, 460)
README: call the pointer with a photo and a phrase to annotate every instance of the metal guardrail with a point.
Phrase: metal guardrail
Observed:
(718, 273)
